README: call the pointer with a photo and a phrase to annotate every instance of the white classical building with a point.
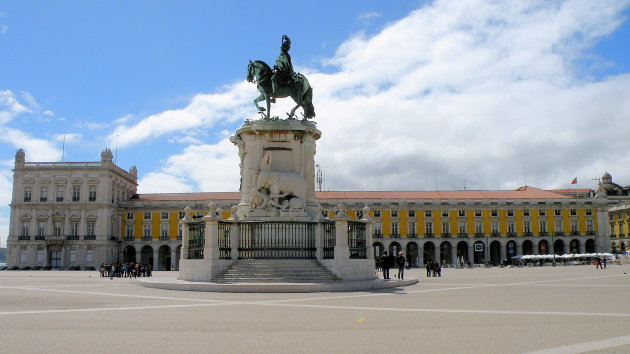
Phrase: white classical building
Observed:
(65, 214)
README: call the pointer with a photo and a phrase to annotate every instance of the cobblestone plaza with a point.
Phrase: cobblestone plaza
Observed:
(562, 309)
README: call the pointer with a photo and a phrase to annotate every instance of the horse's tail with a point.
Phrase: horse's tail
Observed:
(309, 109)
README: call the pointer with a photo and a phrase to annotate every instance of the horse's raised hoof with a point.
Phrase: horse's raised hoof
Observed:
(261, 109)
(272, 100)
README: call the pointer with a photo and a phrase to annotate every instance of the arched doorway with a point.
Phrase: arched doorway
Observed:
(543, 247)
(589, 246)
(164, 258)
(480, 252)
(394, 248)
(614, 247)
(378, 249)
(495, 252)
(528, 247)
(147, 255)
(558, 247)
(623, 247)
(510, 250)
(429, 252)
(574, 246)
(129, 254)
(412, 254)
(446, 253)
(462, 252)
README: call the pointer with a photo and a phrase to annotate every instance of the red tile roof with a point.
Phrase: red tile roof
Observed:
(521, 193)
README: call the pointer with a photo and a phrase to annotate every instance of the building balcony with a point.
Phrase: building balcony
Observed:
(428, 234)
(543, 233)
(129, 238)
(163, 238)
(72, 237)
(394, 235)
(59, 199)
(24, 238)
(374, 235)
(558, 233)
(43, 199)
(146, 238)
(446, 234)
(477, 234)
(590, 232)
(511, 234)
(527, 233)
(495, 234)
(413, 235)
(89, 237)
(113, 238)
(575, 233)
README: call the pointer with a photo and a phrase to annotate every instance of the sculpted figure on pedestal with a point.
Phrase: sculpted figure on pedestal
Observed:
(280, 82)
(277, 190)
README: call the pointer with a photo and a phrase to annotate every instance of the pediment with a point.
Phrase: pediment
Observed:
(44, 181)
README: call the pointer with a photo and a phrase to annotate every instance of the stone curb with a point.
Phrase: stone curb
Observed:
(341, 286)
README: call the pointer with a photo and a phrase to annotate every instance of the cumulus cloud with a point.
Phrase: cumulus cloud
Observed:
(36, 149)
(197, 168)
(469, 92)
(10, 107)
(204, 110)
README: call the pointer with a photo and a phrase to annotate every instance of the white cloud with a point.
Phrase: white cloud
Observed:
(203, 110)
(48, 113)
(68, 137)
(369, 15)
(10, 107)
(157, 182)
(36, 149)
(185, 140)
(197, 168)
(469, 91)
(3, 29)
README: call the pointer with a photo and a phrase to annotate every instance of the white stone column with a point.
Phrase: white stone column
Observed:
(185, 234)
(319, 241)
(342, 251)
(174, 265)
(235, 233)
(156, 258)
(368, 233)
(211, 235)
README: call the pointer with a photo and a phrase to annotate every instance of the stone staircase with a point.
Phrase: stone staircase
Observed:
(276, 271)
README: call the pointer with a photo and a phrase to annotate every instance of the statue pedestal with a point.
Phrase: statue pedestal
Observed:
(277, 169)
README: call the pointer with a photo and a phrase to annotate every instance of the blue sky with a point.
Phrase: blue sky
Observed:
(468, 91)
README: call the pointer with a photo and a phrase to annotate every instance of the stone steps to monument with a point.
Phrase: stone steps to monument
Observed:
(277, 270)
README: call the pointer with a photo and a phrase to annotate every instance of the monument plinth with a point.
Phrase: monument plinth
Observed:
(277, 230)
(277, 170)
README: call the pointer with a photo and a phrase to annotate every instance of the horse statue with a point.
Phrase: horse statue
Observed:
(297, 88)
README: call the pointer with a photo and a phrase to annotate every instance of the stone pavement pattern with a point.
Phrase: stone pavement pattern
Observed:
(570, 309)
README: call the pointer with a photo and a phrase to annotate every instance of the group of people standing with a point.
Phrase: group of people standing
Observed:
(389, 261)
(126, 270)
(433, 269)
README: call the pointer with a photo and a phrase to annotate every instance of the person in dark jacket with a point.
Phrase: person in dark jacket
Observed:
(385, 265)
(400, 262)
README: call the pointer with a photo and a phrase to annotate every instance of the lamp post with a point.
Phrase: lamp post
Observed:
(553, 249)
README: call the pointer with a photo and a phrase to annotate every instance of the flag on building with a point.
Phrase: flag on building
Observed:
(574, 181)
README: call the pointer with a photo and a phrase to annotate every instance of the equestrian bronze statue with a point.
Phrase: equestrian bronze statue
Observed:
(281, 82)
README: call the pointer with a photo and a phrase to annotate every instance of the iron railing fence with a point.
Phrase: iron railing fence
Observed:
(357, 240)
(277, 240)
(225, 250)
(330, 240)
(196, 242)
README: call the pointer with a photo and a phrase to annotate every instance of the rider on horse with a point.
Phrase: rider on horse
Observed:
(283, 74)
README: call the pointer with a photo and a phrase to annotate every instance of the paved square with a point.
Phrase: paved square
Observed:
(516, 310)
